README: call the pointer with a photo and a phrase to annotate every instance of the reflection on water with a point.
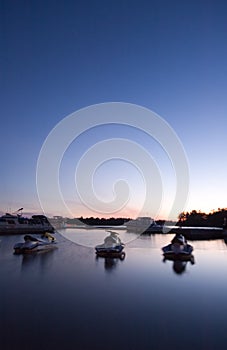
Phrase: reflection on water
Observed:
(71, 300)
(179, 266)
(92, 237)
(111, 263)
(41, 259)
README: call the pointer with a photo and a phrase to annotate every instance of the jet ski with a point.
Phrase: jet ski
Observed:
(178, 249)
(112, 247)
(33, 244)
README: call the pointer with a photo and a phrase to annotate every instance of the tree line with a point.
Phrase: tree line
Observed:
(91, 221)
(216, 218)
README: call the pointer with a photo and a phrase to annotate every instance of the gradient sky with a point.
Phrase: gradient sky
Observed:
(58, 57)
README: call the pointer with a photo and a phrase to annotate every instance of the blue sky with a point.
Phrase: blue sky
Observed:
(58, 57)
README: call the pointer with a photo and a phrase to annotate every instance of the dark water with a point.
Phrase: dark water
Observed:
(69, 299)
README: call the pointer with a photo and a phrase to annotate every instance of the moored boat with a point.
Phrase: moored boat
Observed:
(58, 222)
(154, 228)
(33, 244)
(143, 224)
(17, 224)
(178, 249)
(139, 224)
(112, 247)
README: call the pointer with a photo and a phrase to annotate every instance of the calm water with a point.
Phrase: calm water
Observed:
(69, 299)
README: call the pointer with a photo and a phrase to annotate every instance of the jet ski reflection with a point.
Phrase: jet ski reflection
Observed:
(179, 266)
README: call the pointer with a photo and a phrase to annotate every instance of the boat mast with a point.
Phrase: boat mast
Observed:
(18, 212)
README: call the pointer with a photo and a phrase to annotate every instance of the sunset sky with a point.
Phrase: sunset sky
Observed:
(167, 56)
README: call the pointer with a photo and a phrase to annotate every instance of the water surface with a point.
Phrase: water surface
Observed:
(70, 299)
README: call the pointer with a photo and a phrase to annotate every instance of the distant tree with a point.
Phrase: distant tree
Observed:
(183, 216)
(198, 218)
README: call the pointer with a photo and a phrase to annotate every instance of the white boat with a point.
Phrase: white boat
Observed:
(140, 222)
(58, 222)
(33, 245)
(17, 224)
(143, 224)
